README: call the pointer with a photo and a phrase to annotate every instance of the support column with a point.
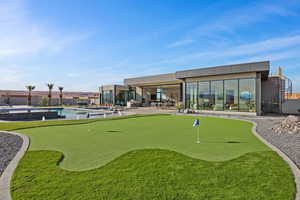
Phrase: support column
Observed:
(138, 94)
(143, 101)
(101, 95)
(180, 92)
(258, 94)
(183, 94)
(114, 95)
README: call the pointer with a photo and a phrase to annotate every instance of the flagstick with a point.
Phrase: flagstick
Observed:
(198, 136)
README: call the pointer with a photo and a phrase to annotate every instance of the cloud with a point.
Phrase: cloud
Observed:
(12, 77)
(243, 50)
(19, 35)
(180, 43)
(72, 75)
(270, 56)
(244, 16)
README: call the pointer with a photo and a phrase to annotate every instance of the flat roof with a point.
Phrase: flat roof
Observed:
(175, 78)
(169, 78)
(263, 66)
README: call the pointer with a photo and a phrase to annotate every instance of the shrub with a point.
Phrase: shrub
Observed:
(44, 101)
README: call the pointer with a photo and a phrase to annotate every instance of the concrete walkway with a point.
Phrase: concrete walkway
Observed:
(6, 177)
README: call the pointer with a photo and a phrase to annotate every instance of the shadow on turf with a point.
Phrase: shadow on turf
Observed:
(112, 131)
(228, 142)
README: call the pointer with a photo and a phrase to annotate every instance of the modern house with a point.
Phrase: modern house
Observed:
(246, 87)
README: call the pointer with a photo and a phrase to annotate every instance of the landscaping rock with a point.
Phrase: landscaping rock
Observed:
(9, 146)
(288, 143)
(290, 125)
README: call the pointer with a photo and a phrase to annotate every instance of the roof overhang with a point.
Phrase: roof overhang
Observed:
(263, 67)
(161, 79)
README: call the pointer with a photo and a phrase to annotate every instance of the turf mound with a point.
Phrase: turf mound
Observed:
(155, 174)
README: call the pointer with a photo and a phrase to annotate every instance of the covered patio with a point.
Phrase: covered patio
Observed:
(161, 95)
(157, 91)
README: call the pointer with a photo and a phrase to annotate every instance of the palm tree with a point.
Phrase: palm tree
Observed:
(60, 95)
(50, 87)
(30, 88)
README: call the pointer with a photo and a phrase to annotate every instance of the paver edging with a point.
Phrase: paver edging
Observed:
(6, 177)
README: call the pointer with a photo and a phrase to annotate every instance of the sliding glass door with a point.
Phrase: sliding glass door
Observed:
(204, 95)
(191, 95)
(217, 95)
(231, 95)
(247, 95)
(228, 95)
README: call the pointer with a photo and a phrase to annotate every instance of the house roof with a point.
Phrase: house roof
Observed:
(263, 66)
(153, 80)
(175, 78)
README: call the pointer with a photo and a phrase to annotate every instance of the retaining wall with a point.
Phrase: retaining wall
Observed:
(26, 116)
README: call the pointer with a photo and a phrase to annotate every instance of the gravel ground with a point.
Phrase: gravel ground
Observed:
(286, 142)
(9, 146)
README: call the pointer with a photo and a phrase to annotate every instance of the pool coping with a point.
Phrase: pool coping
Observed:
(7, 175)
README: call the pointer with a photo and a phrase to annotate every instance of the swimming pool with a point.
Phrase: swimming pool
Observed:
(66, 113)
(77, 113)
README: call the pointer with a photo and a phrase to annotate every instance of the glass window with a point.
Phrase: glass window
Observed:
(217, 95)
(158, 94)
(121, 98)
(247, 95)
(108, 97)
(191, 97)
(164, 95)
(231, 95)
(204, 96)
(131, 94)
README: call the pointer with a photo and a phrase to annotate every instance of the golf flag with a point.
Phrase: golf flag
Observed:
(196, 123)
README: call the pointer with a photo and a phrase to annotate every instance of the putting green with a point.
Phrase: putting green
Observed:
(87, 146)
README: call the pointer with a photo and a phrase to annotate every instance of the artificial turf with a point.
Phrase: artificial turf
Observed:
(155, 175)
(147, 158)
(87, 146)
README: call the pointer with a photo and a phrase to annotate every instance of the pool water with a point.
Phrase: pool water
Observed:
(68, 113)
(71, 113)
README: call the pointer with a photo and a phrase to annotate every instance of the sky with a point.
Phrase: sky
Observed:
(83, 44)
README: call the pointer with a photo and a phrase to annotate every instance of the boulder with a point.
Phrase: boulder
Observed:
(290, 125)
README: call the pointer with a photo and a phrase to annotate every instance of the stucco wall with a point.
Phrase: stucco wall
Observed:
(291, 106)
(271, 97)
